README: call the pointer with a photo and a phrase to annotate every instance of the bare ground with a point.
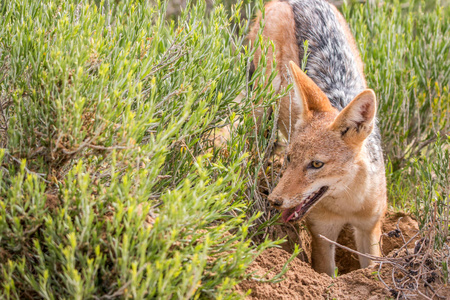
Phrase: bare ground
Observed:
(302, 282)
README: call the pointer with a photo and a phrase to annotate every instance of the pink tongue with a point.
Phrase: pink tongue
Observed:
(286, 214)
(289, 213)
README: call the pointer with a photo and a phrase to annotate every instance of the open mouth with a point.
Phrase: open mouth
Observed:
(296, 213)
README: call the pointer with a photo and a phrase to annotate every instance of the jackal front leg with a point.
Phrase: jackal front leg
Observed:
(368, 242)
(322, 251)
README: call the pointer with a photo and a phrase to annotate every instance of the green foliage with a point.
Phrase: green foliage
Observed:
(406, 47)
(422, 188)
(406, 56)
(112, 185)
(432, 199)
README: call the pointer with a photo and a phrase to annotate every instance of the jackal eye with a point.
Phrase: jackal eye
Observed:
(316, 164)
(288, 158)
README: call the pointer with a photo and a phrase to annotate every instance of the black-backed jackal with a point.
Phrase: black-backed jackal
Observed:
(335, 171)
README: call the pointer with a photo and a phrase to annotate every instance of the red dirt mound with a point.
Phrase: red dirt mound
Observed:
(392, 239)
(302, 282)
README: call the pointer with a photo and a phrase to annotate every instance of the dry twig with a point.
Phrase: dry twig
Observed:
(412, 274)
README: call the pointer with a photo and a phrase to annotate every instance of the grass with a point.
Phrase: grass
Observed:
(406, 48)
(112, 185)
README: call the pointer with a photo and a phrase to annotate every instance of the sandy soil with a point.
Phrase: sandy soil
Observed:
(302, 282)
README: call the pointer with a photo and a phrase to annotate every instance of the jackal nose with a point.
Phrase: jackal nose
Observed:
(275, 201)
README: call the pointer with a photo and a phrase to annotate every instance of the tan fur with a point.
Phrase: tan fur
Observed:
(358, 193)
(352, 113)
(280, 30)
(318, 132)
(313, 99)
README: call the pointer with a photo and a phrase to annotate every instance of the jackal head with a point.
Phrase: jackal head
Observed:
(325, 148)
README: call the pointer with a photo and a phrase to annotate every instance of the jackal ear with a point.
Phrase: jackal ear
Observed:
(309, 97)
(355, 122)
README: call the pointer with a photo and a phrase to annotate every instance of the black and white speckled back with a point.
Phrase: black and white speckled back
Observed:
(331, 63)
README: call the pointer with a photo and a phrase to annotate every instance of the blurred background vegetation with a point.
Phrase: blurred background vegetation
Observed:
(112, 185)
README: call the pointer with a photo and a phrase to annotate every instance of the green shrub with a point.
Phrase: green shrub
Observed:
(406, 52)
(111, 183)
(432, 199)
(406, 47)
